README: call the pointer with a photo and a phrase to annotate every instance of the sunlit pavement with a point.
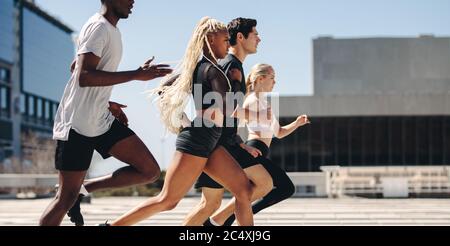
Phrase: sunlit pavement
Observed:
(296, 212)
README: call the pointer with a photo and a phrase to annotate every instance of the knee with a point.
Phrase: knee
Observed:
(263, 184)
(266, 186)
(290, 190)
(210, 205)
(168, 203)
(66, 201)
(287, 189)
(151, 174)
(244, 193)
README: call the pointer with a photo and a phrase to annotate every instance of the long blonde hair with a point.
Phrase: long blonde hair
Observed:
(173, 98)
(257, 70)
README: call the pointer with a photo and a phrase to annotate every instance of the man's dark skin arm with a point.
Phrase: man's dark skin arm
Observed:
(117, 112)
(91, 77)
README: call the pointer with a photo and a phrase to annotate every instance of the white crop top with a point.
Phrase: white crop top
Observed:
(263, 127)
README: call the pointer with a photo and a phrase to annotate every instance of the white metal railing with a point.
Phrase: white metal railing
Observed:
(391, 181)
(28, 180)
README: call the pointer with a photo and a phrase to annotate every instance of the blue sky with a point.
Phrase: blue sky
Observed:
(287, 27)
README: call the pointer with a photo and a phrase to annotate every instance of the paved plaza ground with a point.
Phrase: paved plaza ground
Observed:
(293, 212)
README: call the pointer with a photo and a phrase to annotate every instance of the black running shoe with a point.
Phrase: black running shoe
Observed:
(230, 220)
(104, 224)
(208, 223)
(75, 213)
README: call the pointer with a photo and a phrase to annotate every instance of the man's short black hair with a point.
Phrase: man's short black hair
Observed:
(240, 25)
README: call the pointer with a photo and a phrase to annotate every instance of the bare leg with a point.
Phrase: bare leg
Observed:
(143, 166)
(181, 175)
(210, 202)
(223, 168)
(262, 185)
(69, 187)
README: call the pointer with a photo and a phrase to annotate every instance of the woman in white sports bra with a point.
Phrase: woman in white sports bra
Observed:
(261, 81)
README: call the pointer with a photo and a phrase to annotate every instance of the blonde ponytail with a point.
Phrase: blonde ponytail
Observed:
(173, 97)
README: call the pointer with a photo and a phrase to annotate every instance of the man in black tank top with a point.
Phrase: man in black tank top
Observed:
(244, 41)
(232, 66)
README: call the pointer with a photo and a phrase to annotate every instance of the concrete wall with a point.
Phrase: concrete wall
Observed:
(309, 179)
(376, 77)
(381, 65)
(365, 105)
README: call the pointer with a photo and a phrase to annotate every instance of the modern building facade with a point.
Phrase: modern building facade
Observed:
(376, 102)
(36, 51)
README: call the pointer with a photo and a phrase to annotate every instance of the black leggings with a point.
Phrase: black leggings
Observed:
(283, 186)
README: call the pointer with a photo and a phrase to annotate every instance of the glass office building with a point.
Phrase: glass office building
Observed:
(36, 51)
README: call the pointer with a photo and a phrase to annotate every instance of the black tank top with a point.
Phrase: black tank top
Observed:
(210, 79)
(228, 63)
(232, 62)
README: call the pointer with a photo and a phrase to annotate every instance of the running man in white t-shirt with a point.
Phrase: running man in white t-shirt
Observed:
(87, 121)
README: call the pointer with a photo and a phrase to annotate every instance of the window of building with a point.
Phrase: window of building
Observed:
(329, 142)
(4, 96)
(305, 189)
(369, 137)
(47, 110)
(356, 141)
(396, 133)
(342, 141)
(409, 141)
(423, 141)
(22, 104)
(290, 152)
(446, 135)
(30, 106)
(39, 108)
(382, 141)
(5, 75)
(303, 152)
(436, 140)
(316, 145)
(365, 141)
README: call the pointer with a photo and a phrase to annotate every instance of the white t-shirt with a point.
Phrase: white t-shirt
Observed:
(85, 110)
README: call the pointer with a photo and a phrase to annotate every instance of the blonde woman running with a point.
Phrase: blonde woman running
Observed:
(195, 144)
(244, 41)
(260, 81)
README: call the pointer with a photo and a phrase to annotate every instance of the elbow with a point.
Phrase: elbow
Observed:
(278, 135)
(83, 81)
(82, 84)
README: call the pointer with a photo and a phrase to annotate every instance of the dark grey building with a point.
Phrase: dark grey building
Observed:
(376, 102)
